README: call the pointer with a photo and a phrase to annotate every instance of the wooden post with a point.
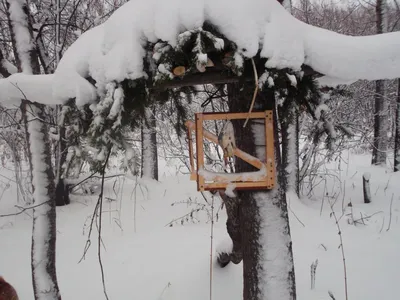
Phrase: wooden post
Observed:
(199, 149)
(367, 187)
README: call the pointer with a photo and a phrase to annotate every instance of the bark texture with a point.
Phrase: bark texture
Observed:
(268, 270)
(149, 145)
(381, 125)
(62, 192)
(397, 134)
(289, 123)
(44, 233)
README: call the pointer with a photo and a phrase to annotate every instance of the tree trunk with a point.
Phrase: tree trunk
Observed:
(62, 192)
(43, 254)
(380, 125)
(367, 187)
(268, 269)
(289, 121)
(149, 145)
(397, 135)
(381, 128)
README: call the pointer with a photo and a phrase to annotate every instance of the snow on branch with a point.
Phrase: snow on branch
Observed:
(20, 86)
(114, 50)
(22, 36)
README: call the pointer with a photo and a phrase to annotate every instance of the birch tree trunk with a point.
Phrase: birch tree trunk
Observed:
(43, 252)
(268, 269)
(381, 127)
(149, 145)
(43, 256)
(397, 134)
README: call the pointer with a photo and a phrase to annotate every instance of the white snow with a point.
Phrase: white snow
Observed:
(230, 190)
(9, 66)
(367, 175)
(116, 107)
(19, 86)
(232, 177)
(293, 80)
(114, 50)
(141, 265)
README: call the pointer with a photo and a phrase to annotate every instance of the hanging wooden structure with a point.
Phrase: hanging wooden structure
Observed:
(264, 178)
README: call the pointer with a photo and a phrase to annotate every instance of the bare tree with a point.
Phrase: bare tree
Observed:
(380, 145)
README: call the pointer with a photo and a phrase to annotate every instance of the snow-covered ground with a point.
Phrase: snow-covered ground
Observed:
(147, 260)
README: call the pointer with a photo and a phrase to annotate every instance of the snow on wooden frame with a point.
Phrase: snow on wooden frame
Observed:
(264, 178)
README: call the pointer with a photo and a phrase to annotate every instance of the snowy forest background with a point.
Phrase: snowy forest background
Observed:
(155, 224)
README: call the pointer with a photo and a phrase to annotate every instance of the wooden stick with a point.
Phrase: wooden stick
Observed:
(189, 133)
(199, 149)
(255, 91)
(269, 148)
(233, 116)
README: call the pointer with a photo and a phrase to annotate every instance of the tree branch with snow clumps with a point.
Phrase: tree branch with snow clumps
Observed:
(114, 50)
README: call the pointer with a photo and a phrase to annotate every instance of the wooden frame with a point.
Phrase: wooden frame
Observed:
(262, 179)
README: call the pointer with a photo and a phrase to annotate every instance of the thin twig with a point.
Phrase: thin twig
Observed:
(82, 181)
(211, 243)
(99, 207)
(88, 241)
(296, 216)
(342, 249)
(23, 209)
(99, 240)
(366, 217)
(390, 215)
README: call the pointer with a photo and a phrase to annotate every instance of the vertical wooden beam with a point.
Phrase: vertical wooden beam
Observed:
(199, 151)
(191, 159)
(269, 148)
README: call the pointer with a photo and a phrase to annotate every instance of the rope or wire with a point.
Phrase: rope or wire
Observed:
(211, 244)
(255, 91)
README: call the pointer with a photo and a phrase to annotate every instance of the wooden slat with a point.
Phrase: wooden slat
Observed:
(238, 185)
(199, 151)
(269, 148)
(235, 177)
(189, 134)
(233, 116)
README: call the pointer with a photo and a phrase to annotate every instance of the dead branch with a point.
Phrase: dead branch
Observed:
(22, 209)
